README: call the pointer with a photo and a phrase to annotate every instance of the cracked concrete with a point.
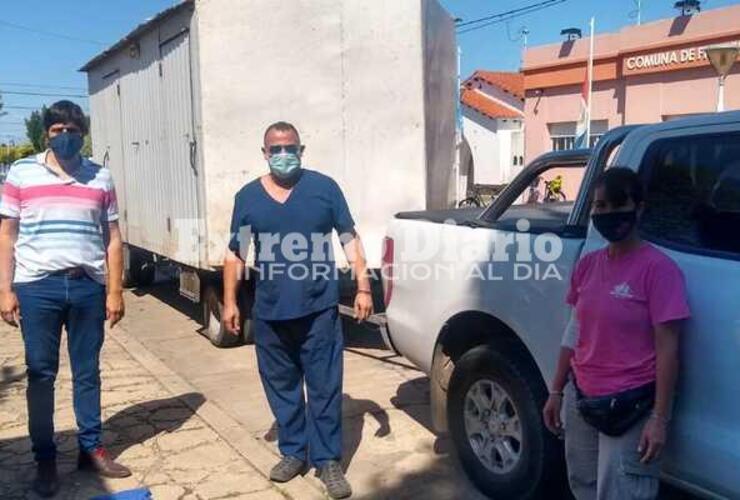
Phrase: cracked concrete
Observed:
(169, 447)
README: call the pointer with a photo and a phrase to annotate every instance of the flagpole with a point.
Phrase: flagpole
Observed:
(590, 82)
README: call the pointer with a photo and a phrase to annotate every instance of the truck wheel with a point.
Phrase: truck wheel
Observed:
(213, 326)
(140, 268)
(494, 417)
(248, 330)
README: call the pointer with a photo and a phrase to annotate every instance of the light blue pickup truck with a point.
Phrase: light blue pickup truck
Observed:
(476, 298)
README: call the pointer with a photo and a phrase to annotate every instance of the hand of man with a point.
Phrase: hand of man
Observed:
(114, 308)
(551, 414)
(652, 440)
(231, 318)
(363, 306)
(9, 308)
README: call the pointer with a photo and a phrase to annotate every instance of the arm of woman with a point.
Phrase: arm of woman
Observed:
(666, 353)
(552, 409)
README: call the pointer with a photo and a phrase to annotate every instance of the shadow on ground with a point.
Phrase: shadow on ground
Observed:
(356, 336)
(123, 430)
(9, 375)
(412, 397)
(168, 293)
(353, 423)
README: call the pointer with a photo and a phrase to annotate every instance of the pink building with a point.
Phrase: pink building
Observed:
(642, 74)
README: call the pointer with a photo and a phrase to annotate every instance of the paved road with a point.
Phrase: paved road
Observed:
(389, 447)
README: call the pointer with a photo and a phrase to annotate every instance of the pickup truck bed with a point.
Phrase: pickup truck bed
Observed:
(550, 217)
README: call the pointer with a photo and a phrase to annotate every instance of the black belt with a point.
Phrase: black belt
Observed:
(71, 272)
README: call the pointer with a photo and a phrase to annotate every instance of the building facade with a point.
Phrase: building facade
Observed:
(493, 126)
(643, 74)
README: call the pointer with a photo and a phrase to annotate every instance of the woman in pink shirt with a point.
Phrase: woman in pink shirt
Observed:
(620, 353)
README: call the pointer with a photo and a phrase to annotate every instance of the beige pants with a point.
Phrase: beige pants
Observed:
(602, 467)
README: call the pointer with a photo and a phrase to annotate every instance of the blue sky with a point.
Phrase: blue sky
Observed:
(31, 58)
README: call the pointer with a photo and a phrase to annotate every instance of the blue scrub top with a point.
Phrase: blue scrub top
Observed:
(296, 272)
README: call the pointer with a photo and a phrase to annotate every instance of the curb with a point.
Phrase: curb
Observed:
(255, 453)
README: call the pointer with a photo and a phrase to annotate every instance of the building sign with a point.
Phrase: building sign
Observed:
(665, 60)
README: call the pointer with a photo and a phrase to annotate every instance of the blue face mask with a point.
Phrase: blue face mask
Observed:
(66, 145)
(285, 166)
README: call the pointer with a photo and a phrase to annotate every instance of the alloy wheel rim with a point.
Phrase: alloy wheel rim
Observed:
(493, 426)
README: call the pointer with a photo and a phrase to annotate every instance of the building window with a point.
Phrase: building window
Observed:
(563, 142)
(693, 193)
(563, 134)
(566, 142)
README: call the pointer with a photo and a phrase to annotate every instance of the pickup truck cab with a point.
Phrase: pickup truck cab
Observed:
(476, 298)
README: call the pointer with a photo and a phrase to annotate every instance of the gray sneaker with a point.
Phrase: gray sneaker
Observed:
(332, 476)
(287, 469)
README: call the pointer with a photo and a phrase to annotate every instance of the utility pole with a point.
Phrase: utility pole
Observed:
(524, 31)
(637, 13)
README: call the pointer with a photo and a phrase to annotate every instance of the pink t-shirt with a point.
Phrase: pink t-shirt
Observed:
(617, 302)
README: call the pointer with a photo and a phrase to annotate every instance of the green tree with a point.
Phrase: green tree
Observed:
(87, 146)
(86, 151)
(35, 129)
(9, 154)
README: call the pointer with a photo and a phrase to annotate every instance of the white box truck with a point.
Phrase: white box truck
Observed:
(180, 104)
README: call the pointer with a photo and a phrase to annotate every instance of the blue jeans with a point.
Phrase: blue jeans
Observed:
(310, 350)
(46, 305)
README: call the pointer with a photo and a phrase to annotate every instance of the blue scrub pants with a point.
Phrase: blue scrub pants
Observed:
(289, 353)
(46, 306)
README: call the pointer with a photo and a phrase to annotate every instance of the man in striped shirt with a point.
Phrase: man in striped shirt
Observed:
(61, 265)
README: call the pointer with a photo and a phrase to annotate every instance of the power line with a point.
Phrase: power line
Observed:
(21, 107)
(484, 22)
(507, 13)
(40, 86)
(49, 33)
(41, 94)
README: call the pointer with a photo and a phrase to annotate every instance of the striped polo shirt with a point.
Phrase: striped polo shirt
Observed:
(62, 222)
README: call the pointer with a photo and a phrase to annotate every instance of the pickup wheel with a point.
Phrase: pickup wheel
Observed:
(213, 326)
(494, 419)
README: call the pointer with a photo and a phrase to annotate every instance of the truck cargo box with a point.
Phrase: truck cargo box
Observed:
(179, 107)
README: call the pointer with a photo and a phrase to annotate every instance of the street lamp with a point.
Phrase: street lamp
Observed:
(571, 34)
(688, 7)
(722, 58)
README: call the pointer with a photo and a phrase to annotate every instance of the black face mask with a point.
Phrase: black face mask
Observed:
(615, 226)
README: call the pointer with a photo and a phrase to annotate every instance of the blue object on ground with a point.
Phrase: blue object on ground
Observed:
(137, 494)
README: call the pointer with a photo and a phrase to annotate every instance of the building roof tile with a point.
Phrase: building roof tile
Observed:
(513, 83)
(488, 106)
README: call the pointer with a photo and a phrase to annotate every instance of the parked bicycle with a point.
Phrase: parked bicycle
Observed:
(481, 195)
(554, 190)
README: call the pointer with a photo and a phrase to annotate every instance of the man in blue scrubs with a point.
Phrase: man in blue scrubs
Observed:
(289, 215)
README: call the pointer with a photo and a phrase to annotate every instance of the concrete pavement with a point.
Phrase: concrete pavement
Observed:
(390, 451)
(147, 426)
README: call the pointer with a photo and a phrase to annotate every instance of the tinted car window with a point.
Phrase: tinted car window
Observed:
(693, 192)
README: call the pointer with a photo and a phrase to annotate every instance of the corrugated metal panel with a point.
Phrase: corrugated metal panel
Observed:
(148, 185)
(142, 128)
(180, 155)
(106, 130)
